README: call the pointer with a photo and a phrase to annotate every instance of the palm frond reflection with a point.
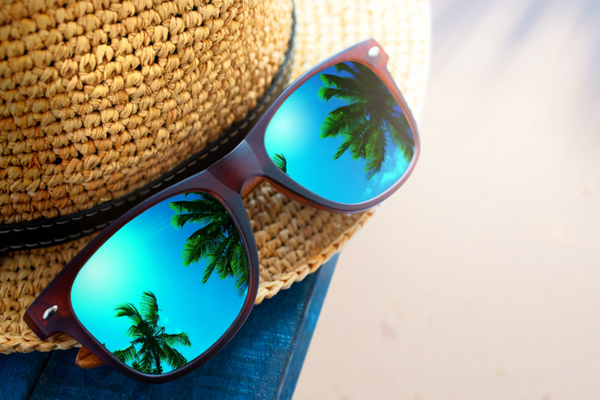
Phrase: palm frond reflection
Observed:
(218, 240)
(151, 347)
(370, 113)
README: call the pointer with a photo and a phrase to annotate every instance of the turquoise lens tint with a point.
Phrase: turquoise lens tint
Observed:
(166, 286)
(342, 135)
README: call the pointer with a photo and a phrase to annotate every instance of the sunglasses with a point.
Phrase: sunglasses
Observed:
(169, 283)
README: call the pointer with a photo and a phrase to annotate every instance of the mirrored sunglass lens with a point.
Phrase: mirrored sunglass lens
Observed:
(166, 286)
(342, 135)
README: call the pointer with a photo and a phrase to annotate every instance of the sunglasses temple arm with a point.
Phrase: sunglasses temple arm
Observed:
(87, 360)
(250, 185)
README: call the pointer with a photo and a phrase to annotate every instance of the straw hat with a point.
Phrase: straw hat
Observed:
(101, 103)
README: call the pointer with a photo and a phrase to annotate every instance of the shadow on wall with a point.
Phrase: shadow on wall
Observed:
(457, 20)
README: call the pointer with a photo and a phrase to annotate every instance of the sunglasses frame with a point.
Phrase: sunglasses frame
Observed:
(229, 179)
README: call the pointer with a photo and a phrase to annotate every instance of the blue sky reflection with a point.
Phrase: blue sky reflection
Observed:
(145, 255)
(294, 131)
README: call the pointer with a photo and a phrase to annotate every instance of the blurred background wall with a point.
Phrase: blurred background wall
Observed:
(480, 278)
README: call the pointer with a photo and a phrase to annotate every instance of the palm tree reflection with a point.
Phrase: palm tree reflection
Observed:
(218, 240)
(371, 111)
(151, 346)
(280, 161)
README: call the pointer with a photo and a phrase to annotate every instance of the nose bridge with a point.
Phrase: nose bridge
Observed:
(237, 167)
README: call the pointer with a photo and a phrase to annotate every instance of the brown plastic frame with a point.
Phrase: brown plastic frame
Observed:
(228, 180)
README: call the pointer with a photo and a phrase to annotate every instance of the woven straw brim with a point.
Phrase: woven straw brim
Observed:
(100, 98)
(293, 239)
